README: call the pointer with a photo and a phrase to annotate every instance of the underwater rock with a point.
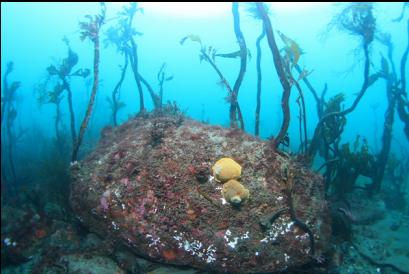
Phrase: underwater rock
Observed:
(53, 211)
(80, 263)
(145, 192)
(131, 263)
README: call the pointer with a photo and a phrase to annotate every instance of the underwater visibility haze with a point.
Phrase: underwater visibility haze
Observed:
(204, 137)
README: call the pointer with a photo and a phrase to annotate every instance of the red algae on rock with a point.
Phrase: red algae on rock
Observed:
(164, 203)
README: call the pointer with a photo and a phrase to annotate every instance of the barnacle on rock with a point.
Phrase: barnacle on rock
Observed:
(226, 169)
(234, 192)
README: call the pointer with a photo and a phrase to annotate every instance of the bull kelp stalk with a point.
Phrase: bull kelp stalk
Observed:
(402, 13)
(70, 108)
(302, 118)
(53, 97)
(8, 110)
(116, 104)
(289, 60)
(11, 116)
(234, 107)
(382, 158)
(122, 35)
(356, 19)
(133, 57)
(319, 101)
(57, 121)
(8, 90)
(12, 140)
(209, 53)
(259, 78)
(402, 97)
(223, 80)
(403, 65)
(132, 48)
(393, 93)
(281, 75)
(162, 78)
(90, 30)
(204, 55)
(63, 72)
(154, 96)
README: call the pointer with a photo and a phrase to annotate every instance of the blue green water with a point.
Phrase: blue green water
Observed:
(32, 38)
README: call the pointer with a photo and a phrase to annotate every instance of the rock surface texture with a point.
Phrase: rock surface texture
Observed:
(149, 185)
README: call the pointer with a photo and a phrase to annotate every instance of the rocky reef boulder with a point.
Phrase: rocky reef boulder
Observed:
(149, 185)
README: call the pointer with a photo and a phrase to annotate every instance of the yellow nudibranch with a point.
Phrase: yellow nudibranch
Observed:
(226, 169)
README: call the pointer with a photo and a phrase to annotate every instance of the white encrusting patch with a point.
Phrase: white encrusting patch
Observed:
(7, 241)
(302, 237)
(245, 236)
(114, 225)
(211, 178)
(117, 193)
(233, 242)
(154, 241)
(196, 248)
(286, 257)
(223, 201)
(276, 230)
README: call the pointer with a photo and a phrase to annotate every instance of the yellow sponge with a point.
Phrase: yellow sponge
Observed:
(226, 169)
(234, 192)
